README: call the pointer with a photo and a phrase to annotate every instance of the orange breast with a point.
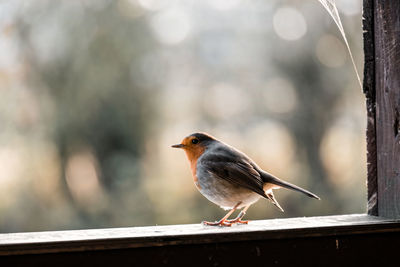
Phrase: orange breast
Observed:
(193, 155)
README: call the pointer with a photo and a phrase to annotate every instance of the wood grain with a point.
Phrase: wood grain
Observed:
(387, 86)
(135, 237)
(315, 241)
(369, 91)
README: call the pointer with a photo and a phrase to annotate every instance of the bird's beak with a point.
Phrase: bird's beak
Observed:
(178, 146)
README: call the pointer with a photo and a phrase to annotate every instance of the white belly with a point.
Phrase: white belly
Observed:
(224, 193)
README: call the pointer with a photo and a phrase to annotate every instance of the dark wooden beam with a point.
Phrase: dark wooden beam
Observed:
(150, 236)
(387, 86)
(314, 241)
(369, 91)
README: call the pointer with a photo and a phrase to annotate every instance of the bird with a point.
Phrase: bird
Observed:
(229, 178)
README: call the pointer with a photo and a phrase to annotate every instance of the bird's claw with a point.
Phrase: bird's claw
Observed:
(225, 222)
(239, 221)
(218, 223)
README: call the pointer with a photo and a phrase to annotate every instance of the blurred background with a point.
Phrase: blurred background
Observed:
(94, 92)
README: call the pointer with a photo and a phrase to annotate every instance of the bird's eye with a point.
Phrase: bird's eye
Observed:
(195, 141)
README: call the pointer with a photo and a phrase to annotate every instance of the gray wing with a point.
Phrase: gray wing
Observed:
(235, 168)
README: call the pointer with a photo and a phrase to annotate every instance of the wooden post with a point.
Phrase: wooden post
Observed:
(387, 87)
(369, 90)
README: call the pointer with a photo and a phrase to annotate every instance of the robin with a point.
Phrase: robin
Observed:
(229, 178)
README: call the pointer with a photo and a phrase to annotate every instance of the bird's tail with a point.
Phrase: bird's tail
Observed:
(272, 198)
(268, 178)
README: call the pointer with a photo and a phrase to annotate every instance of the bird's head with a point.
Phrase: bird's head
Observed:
(195, 142)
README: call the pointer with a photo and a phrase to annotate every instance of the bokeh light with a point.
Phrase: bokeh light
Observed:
(82, 179)
(171, 26)
(93, 93)
(218, 95)
(12, 161)
(278, 147)
(224, 4)
(289, 23)
(153, 4)
(349, 8)
(280, 96)
(331, 51)
(339, 153)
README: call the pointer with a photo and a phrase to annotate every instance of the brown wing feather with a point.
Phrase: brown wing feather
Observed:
(234, 169)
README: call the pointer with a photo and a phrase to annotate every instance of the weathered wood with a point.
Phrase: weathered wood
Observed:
(344, 250)
(369, 91)
(316, 241)
(387, 86)
(134, 237)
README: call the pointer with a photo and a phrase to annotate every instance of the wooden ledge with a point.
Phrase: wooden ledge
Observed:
(157, 236)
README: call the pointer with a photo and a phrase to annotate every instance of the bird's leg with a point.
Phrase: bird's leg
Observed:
(238, 219)
(223, 221)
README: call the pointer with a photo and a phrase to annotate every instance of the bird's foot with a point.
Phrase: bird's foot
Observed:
(218, 223)
(237, 220)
